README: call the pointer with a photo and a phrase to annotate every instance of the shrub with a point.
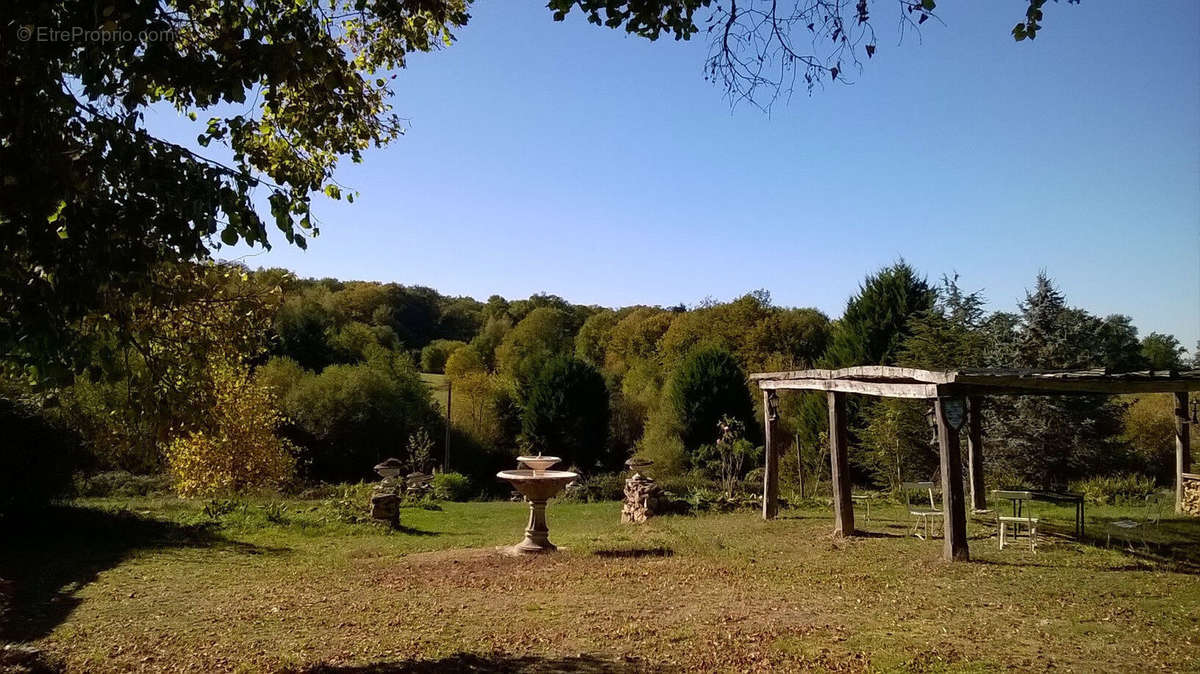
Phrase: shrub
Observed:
(600, 487)
(239, 449)
(36, 459)
(120, 483)
(451, 487)
(1114, 489)
(350, 417)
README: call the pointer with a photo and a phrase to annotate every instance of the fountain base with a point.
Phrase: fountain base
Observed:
(537, 533)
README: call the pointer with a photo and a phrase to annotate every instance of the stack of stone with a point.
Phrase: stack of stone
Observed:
(1191, 494)
(643, 499)
(385, 505)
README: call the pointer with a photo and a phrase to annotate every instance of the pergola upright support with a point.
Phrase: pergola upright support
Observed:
(1183, 447)
(954, 511)
(975, 452)
(843, 507)
(771, 463)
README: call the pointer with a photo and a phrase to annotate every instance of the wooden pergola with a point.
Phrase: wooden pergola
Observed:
(956, 397)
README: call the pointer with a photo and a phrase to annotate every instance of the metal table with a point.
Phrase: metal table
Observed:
(1019, 496)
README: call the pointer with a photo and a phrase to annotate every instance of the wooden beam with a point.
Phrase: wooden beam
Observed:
(843, 507)
(882, 373)
(954, 511)
(1183, 447)
(975, 452)
(1004, 385)
(871, 388)
(771, 464)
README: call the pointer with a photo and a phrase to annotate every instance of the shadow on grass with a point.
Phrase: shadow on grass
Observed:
(1171, 543)
(634, 553)
(409, 531)
(863, 533)
(46, 558)
(493, 664)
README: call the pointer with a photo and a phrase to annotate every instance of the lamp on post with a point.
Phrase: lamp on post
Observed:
(772, 406)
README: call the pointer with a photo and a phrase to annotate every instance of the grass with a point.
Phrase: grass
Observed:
(437, 389)
(155, 584)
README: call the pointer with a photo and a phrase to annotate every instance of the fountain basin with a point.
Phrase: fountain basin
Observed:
(538, 462)
(537, 485)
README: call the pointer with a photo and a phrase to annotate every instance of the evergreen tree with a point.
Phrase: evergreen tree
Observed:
(1048, 440)
(708, 385)
(566, 414)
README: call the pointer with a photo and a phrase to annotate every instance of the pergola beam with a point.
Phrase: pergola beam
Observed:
(871, 388)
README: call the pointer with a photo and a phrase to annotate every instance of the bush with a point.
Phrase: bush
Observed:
(36, 459)
(451, 487)
(238, 450)
(600, 487)
(350, 417)
(121, 483)
(1114, 489)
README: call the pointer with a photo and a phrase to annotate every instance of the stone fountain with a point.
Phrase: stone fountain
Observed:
(537, 484)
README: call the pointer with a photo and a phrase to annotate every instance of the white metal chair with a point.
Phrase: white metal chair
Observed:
(1152, 511)
(1016, 522)
(920, 515)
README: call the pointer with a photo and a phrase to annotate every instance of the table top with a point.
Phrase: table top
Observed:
(1030, 494)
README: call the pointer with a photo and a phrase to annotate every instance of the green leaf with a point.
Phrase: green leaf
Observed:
(229, 236)
(928, 5)
(57, 212)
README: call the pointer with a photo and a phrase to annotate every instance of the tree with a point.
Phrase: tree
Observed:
(591, 341)
(1118, 338)
(543, 334)
(112, 201)
(1049, 440)
(948, 336)
(1163, 352)
(877, 319)
(463, 361)
(566, 411)
(347, 418)
(708, 385)
(434, 356)
(759, 50)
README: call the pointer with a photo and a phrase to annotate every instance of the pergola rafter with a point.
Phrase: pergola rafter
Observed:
(957, 401)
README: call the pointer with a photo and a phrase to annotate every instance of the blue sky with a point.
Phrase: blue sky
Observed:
(566, 158)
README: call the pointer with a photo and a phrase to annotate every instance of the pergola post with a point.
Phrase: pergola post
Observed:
(1183, 447)
(771, 463)
(843, 508)
(975, 452)
(953, 506)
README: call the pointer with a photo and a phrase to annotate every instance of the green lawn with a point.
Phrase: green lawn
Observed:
(437, 388)
(151, 585)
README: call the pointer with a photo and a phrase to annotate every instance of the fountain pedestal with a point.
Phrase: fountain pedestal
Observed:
(537, 533)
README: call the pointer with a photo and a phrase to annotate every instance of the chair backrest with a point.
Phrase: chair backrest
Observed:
(910, 487)
(1156, 505)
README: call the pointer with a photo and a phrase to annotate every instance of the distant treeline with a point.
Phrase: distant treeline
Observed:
(338, 363)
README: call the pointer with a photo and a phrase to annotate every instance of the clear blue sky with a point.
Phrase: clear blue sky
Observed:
(566, 158)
